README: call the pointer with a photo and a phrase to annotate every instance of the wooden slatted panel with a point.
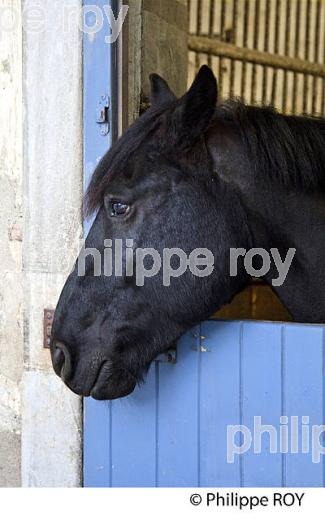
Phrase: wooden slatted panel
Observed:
(290, 28)
(173, 430)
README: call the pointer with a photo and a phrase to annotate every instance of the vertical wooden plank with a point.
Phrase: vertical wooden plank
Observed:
(202, 28)
(198, 26)
(227, 63)
(219, 401)
(192, 16)
(320, 58)
(97, 442)
(215, 31)
(265, 47)
(285, 100)
(245, 44)
(97, 82)
(191, 68)
(295, 75)
(270, 75)
(291, 77)
(281, 48)
(303, 397)
(192, 28)
(205, 18)
(277, 30)
(210, 9)
(250, 35)
(134, 436)
(306, 53)
(259, 70)
(239, 41)
(223, 8)
(311, 54)
(301, 53)
(231, 39)
(261, 398)
(256, 39)
(318, 28)
(178, 416)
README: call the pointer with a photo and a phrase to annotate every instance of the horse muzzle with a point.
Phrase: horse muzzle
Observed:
(108, 382)
(112, 383)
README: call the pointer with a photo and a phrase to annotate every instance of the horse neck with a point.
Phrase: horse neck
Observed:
(281, 219)
(277, 218)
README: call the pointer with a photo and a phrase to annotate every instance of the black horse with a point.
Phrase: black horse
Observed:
(191, 173)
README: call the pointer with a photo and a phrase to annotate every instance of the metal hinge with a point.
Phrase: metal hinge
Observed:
(47, 327)
(102, 117)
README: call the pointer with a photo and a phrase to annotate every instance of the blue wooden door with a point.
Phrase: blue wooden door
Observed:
(174, 430)
(182, 427)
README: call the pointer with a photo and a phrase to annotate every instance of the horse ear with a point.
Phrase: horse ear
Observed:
(160, 91)
(197, 106)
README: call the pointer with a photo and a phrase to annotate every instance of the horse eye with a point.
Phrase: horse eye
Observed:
(118, 208)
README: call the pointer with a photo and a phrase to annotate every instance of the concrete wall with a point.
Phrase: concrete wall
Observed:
(52, 86)
(11, 316)
(40, 226)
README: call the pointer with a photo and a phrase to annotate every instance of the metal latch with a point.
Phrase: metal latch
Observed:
(102, 117)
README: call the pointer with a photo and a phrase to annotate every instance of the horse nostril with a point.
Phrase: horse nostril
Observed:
(58, 360)
(62, 361)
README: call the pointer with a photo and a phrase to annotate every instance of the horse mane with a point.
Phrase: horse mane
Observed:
(290, 149)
